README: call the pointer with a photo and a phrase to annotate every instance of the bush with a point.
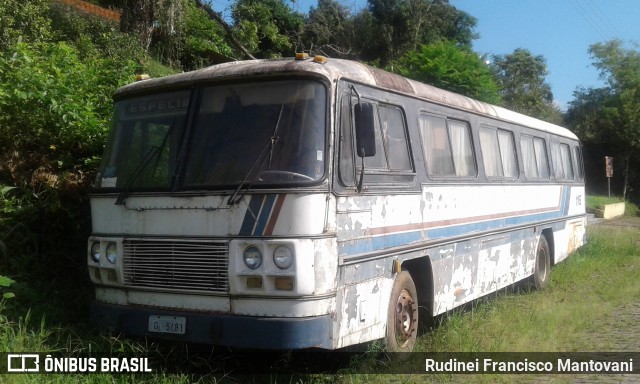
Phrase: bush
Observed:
(54, 110)
(22, 20)
(95, 37)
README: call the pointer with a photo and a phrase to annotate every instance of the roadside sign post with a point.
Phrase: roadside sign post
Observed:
(608, 164)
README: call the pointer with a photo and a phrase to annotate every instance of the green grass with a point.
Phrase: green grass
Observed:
(156, 69)
(599, 201)
(577, 306)
(595, 203)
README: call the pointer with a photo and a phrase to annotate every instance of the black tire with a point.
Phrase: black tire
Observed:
(402, 315)
(540, 278)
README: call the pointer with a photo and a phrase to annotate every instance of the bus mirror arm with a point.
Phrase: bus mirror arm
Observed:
(361, 179)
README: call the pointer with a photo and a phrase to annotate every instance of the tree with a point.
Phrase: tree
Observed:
(398, 26)
(137, 18)
(157, 23)
(592, 115)
(215, 16)
(610, 116)
(524, 89)
(268, 28)
(445, 65)
(329, 29)
(203, 40)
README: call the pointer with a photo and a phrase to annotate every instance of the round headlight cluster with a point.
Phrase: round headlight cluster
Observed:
(283, 257)
(252, 257)
(112, 253)
(95, 252)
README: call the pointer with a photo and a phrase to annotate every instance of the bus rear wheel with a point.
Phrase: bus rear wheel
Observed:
(402, 315)
(540, 278)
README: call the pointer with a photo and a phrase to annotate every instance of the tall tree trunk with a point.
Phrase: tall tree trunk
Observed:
(137, 17)
(627, 163)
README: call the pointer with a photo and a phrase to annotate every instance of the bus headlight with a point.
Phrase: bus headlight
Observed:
(283, 257)
(112, 252)
(95, 251)
(252, 257)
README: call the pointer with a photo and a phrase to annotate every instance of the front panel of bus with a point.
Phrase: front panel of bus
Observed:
(211, 215)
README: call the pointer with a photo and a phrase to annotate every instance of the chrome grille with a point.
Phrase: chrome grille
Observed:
(176, 265)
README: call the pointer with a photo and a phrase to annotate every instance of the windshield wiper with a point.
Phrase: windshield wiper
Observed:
(151, 153)
(234, 198)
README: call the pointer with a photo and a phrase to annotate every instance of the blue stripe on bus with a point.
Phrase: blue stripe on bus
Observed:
(566, 196)
(371, 244)
(263, 218)
(251, 216)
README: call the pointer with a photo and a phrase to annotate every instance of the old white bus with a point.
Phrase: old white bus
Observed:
(318, 203)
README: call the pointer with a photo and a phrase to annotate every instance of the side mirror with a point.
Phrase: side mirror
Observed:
(365, 130)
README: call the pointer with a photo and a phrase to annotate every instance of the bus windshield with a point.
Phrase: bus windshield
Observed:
(261, 133)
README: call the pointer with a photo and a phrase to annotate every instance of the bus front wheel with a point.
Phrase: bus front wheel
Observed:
(402, 315)
(540, 278)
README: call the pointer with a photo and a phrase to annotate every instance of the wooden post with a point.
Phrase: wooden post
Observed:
(608, 164)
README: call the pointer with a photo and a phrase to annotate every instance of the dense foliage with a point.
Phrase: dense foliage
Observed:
(203, 40)
(521, 76)
(608, 118)
(55, 85)
(21, 20)
(448, 66)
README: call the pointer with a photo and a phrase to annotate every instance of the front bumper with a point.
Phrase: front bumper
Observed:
(220, 329)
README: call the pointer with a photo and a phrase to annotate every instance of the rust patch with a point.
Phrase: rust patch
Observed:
(391, 80)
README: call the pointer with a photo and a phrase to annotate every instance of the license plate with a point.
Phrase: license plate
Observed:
(167, 324)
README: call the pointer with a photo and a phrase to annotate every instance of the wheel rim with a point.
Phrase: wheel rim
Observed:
(405, 324)
(542, 263)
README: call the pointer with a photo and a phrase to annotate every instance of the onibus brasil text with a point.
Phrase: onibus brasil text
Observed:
(51, 364)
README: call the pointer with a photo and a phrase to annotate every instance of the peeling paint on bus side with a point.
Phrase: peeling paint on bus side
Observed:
(573, 234)
(463, 270)
(362, 310)
(471, 269)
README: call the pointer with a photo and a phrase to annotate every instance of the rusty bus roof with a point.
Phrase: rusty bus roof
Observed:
(334, 69)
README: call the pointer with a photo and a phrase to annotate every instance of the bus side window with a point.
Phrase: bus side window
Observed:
(394, 138)
(346, 162)
(562, 163)
(542, 160)
(447, 147)
(391, 163)
(577, 151)
(566, 160)
(498, 153)
(534, 158)
(436, 147)
(378, 160)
